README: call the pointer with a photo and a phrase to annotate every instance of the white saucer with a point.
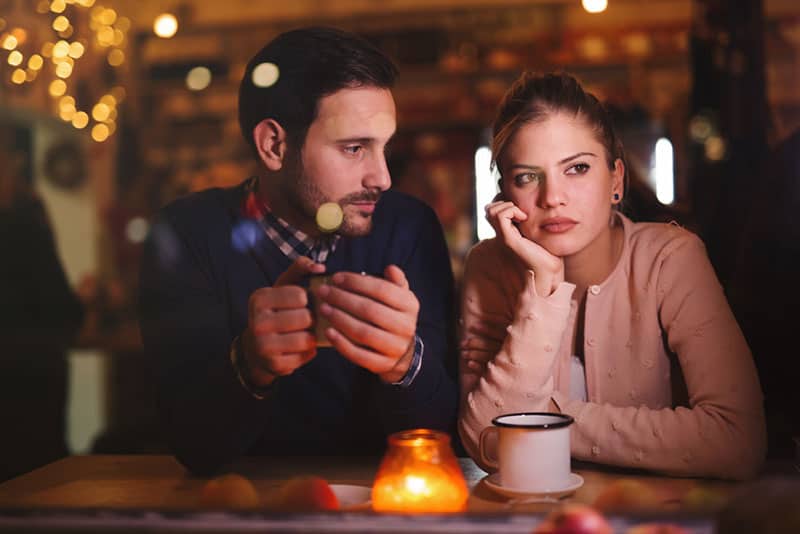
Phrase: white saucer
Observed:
(493, 481)
(352, 497)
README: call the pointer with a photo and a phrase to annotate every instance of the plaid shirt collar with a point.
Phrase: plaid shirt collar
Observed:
(290, 240)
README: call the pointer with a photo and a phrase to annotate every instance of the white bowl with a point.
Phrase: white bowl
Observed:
(352, 497)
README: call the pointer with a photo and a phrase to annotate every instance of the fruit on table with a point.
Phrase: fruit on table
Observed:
(229, 491)
(626, 493)
(574, 519)
(656, 528)
(699, 498)
(304, 494)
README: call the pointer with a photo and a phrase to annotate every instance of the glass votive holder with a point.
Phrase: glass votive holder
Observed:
(419, 474)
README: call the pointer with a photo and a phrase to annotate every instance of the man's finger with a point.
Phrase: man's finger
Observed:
(387, 292)
(361, 356)
(301, 267)
(395, 274)
(368, 335)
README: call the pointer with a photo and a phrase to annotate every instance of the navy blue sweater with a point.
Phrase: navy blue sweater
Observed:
(202, 261)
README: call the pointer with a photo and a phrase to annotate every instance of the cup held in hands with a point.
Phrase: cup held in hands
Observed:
(533, 450)
(320, 321)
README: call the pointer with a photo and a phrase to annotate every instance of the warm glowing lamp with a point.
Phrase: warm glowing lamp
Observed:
(419, 473)
(594, 6)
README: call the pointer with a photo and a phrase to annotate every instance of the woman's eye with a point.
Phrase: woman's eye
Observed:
(578, 168)
(527, 178)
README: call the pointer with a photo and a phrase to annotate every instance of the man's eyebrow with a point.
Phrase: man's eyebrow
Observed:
(360, 140)
(579, 154)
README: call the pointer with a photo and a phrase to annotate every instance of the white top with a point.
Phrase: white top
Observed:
(577, 379)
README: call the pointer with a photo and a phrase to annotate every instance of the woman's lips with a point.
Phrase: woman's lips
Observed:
(558, 225)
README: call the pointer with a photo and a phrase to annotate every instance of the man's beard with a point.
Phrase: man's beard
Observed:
(305, 197)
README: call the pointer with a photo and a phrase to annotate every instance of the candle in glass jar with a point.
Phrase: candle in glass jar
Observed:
(419, 473)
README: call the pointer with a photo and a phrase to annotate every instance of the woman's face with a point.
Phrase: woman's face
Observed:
(557, 172)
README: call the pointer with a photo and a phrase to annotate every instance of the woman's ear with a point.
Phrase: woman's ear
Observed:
(618, 182)
(270, 140)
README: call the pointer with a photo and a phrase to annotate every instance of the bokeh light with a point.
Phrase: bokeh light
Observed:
(136, 230)
(100, 132)
(15, 58)
(76, 49)
(10, 42)
(715, 148)
(100, 112)
(60, 23)
(64, 70)
(165, 25)
(61, 49)
(35, 62)
(198, 78)
(18, 76)
(58, 6)
(265, 75)
(116, 57)
(57, 88)
(80, 120)
(594, 6)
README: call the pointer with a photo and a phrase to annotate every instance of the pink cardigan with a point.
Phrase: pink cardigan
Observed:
(671, 382)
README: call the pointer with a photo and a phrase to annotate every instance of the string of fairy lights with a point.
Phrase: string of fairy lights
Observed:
(74, 31)
(80, 32)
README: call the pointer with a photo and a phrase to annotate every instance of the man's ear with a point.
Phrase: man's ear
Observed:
(270, 140)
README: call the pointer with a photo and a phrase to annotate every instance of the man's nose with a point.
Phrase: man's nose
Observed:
(377, 176)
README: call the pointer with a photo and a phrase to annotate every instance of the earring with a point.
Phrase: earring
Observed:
(616, 196)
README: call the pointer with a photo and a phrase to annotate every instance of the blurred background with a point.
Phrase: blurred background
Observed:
(111, 108)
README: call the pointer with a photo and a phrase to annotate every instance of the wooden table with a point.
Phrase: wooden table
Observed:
(157, 492)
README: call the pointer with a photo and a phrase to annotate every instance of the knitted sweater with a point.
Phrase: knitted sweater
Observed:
(670, 380)
(202, 262)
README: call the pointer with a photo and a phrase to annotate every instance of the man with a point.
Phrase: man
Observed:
(224, 309)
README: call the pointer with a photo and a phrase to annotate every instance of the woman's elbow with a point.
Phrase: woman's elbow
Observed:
(742, 458)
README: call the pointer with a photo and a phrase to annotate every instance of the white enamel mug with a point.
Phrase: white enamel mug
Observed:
(533, 453)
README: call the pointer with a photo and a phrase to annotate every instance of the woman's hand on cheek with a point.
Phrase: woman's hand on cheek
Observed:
(549, 269)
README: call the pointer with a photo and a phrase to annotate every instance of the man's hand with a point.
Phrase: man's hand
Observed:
(548, 269)
(277, 339)
(373, 320)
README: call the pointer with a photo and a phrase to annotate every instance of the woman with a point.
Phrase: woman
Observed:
(574, 308)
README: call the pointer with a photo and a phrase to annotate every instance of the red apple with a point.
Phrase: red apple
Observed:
(626, 493)
(229, 491)
(574, 519)
(656, 528)
(699, 498)
(304, 494)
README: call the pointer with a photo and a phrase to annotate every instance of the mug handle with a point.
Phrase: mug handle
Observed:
(491, 462)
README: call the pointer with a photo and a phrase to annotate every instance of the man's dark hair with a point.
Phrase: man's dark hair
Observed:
(312, 63)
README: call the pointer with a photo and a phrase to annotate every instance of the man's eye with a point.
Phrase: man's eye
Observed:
(578, 168)
(527, 178)
(353, 149)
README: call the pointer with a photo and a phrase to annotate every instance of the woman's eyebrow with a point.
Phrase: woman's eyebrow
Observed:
(524, 167)
(579, 154)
